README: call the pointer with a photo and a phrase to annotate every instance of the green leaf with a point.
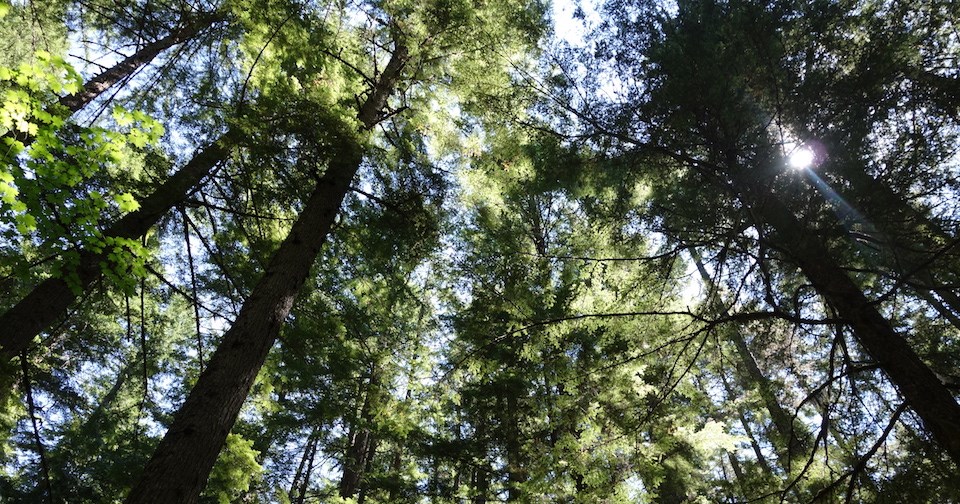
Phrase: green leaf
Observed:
(26, 223)
(126, 202)
(122, 117)
(8, 192)
(138, 138)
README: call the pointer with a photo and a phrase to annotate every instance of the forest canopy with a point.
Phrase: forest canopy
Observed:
(474, 251)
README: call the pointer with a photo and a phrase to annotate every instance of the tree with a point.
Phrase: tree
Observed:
(719, 139)
(202, 423)
(50, 299)
(390, 251)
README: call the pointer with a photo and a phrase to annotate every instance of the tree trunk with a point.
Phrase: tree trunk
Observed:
(126, 68)
(181, 464)
(396, 464)
(516, 461)
(93, 426)
(481, 470)
(922, 390)
(367, 468)
(35, 423)
(301, 480)
(910, 240)
(397, 479)
(49, 300)
(790, 437)
(480, 484)
(362, 443)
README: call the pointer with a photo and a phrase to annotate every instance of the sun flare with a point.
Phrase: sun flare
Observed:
(801, 158)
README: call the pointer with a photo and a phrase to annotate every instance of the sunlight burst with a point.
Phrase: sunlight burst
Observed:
(801, 158)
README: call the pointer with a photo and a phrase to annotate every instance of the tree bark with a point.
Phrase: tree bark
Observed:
(126, 68)
(480, 470)
(397, 479)
(792, 438)
(361, 445)
(921, 388)
(354, 462)
(35, 423)
(93, 426)
(372, 445)
(910, 241)
(516, 461)
(301, 481)
(49, 300)
(181, 464)
(481, 473)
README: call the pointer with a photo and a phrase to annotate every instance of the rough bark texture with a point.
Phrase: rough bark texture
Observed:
(124, 69)
(911, 243)
(49, 300)
(181, 464)
(355, 462)
(921, 388)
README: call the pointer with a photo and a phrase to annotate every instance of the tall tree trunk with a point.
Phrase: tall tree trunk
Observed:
(396, 464)
(516, 461)
(761, 458)
(35, 423)
(480, 467)
(910, 240)
(181, 464)
(49, 300)
(397, 479)
(367, 467)
(791, 437)
(93, 425)
(738, 473)
(921, 388)
(480, 483)
(939, 306)
(301, 480)
(126, 68)
(757, 450)
(361, 442)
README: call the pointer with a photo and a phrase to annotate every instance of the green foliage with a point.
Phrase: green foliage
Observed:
(11, 410)
(502, 310)
(57, 189)
(236, 469)
(26, 27)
